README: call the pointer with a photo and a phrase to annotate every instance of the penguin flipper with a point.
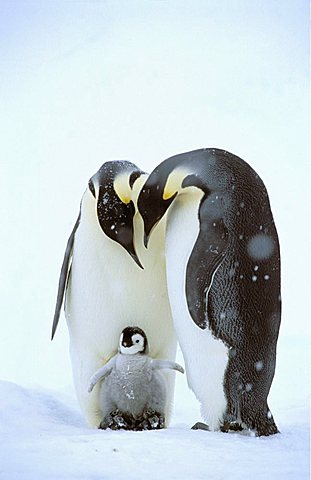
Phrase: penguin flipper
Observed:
(205, 259)
(64, 273)
(166, 364)
(101, 373)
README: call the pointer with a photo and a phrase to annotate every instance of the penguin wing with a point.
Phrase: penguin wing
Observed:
(64, 274)
(101, 373)
(166, 364)
(205, 259)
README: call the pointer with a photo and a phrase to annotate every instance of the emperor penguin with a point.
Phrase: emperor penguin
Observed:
(133, 390)
(223, 276)
(105, 285)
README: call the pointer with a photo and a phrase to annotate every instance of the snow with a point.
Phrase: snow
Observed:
(87, 82)
(259, 365)
(43, 436)
(260, 246)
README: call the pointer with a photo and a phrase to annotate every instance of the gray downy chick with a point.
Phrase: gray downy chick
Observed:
(133, 393)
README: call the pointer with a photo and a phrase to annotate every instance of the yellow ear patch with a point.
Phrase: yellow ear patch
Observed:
(174, 182)
(122, 188)
(168, 193)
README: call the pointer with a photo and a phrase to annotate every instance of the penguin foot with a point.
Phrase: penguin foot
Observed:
(200, 426)
(117, 421)
(226, 427)
(107, 422)
(120, 422)
(231, 427)
(150, 420)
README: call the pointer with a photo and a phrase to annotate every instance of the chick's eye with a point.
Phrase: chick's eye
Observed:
(137, 341)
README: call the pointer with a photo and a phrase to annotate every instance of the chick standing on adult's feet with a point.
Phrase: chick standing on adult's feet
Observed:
(133, 394)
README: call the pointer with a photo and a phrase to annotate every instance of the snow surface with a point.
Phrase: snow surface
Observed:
(43, 436)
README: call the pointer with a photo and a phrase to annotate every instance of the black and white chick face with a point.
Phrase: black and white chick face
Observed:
(133, 340)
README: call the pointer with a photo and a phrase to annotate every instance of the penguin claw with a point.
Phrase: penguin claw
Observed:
(154, 421)
(120, 422)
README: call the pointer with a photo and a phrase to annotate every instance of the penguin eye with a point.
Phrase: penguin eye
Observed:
(137, 341)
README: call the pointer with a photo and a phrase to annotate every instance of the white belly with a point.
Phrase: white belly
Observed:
(205, 357)
(107, 292)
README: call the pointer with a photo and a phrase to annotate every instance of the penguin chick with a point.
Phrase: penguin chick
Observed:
(133, 395)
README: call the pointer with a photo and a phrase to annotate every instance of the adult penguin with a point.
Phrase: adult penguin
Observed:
(223, 274)
(106, 287)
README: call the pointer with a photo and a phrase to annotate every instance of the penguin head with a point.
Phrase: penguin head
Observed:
(111, 188)
(172, 177)
(133, 340)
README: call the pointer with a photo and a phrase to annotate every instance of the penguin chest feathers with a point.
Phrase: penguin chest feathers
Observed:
(131, 372)
(130, 382)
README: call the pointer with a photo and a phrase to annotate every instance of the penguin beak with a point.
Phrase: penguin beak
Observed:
(148, 229)
(136, 259)
(153, 213)
(146, 239)
(131, 250)
(152, 204)
(147, 232)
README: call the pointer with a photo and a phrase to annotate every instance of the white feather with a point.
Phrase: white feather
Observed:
(107, 292)
(205, 356)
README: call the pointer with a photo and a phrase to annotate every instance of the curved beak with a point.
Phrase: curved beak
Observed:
(146, 239)
(135, 258)
(152, 213)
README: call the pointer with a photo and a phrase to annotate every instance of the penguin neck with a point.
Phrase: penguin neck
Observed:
(183, 228)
